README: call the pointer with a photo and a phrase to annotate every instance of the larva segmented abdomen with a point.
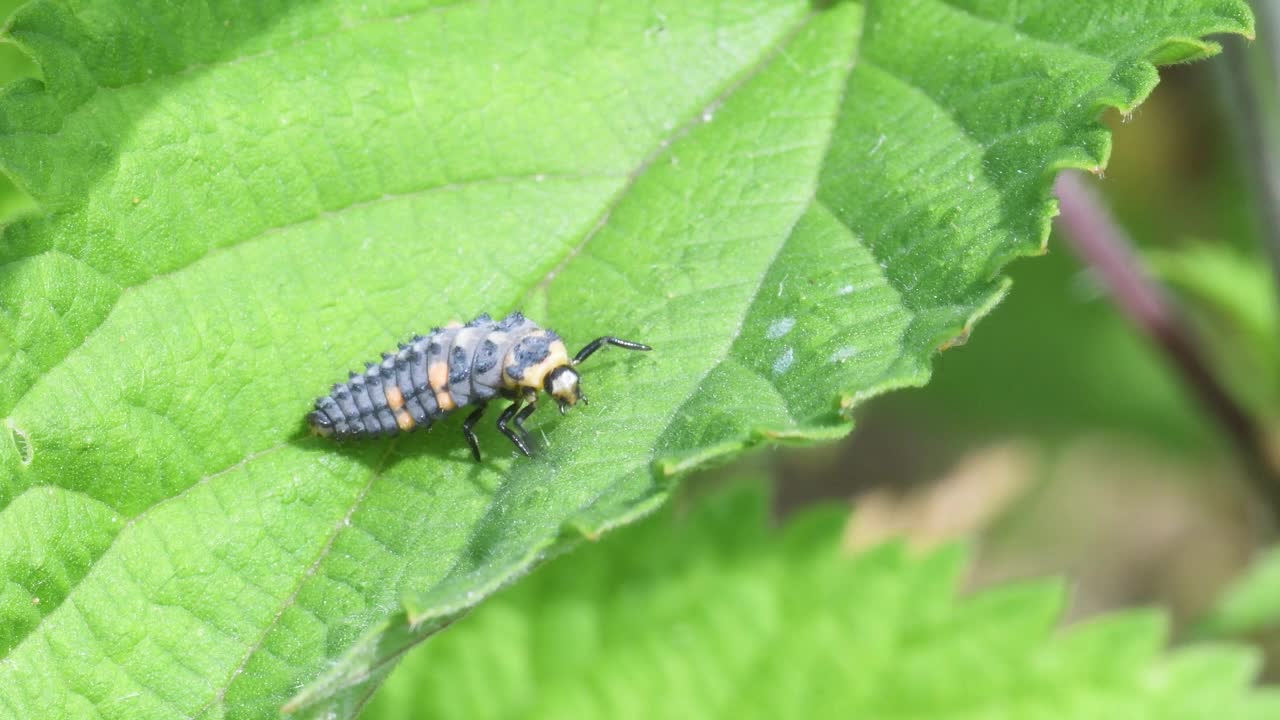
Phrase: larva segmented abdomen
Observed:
(422, 381)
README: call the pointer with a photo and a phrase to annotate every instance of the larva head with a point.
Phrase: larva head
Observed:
(562, 384)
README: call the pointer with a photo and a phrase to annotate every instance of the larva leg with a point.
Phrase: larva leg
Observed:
(524, 415)
(468, 426)
(505, 418)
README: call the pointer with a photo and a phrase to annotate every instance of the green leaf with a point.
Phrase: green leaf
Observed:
(1232, 296)
(711, 615)
(14, 65)
(796, 205)
(1251, 604)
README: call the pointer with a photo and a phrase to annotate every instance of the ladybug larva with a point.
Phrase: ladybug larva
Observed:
(455, 367)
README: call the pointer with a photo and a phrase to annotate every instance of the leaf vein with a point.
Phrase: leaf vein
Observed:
(289, 601)
(67, 596)
(664, 146)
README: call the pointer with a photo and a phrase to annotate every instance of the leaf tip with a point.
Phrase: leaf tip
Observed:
(956, 340)
(1182, 50)
(850, 401)
(577, 527)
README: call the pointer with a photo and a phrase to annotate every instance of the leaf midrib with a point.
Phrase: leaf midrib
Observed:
(291, 599)
(664, 148)
(124, 527)
(772, 53)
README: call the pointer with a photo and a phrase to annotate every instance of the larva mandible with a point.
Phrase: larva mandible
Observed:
(454, 367)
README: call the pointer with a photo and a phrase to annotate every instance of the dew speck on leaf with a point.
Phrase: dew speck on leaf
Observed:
(843, 354)
(784, 361)
(780, 327)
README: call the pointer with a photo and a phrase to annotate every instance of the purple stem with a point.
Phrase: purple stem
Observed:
(1104, 247)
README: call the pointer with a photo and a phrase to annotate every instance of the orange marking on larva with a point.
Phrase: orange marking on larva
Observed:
(438, 379)
(404, 420)
(453, 325)
(438, 375)
(395, 398)
(445, 400)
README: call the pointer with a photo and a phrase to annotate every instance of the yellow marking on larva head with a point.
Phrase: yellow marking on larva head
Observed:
(404, 420)
(395, 398)
(453, 325)
(508, 382)
(445, 400)
(557, 355)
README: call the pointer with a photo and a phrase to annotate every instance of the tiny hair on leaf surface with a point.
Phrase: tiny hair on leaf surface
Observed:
(710, 614)
(796, 204)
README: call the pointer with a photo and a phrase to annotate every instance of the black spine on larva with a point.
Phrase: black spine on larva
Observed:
(373, 386)
(341, 395)
(441, 341)
(418, 366)
(529, 351)
(511, 321)
(486, 357)
(359, 408)
(404, 381)
(330, 416)
(459, 367)
(364, 403)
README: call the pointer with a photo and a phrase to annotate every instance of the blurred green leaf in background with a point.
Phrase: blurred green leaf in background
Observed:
(708, 614)
(1234, 297)
(1253, 604)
